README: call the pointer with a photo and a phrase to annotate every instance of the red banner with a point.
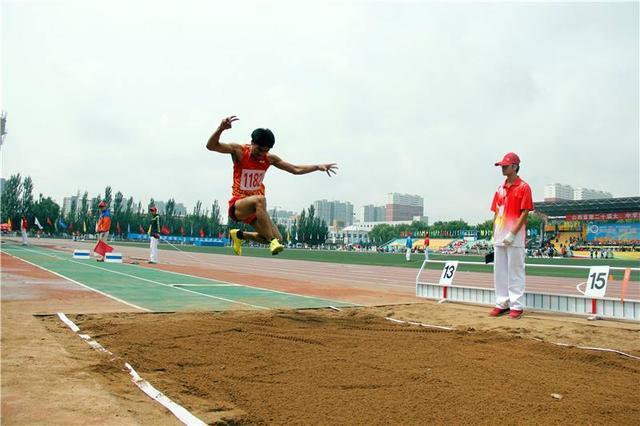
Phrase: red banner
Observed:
(603, 216)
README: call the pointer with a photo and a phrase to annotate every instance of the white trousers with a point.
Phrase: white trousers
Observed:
(408, 254)
(153, 246)
(509, 277)
(426, 253)
(25, 241)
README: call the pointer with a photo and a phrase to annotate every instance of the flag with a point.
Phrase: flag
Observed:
(182, 230)
(118, 230)
(61, 223)
(102, 248)
(165, 230)
(71, 227)
(201, 233)
(49, 221)
(141, 230)
(220, 235)
(128, 228)
(37, 222)
(10, 224)
(84, 227)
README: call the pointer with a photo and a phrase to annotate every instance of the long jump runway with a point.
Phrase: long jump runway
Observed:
(158, 290)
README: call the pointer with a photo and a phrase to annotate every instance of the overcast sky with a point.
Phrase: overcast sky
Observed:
(411, 97)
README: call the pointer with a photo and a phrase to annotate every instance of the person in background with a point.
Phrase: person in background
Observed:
(426, 245)
(154, 234)
(103, 226)
(24, 226)
(409, 246)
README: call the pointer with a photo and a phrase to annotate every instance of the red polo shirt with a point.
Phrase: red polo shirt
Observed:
(508, 203)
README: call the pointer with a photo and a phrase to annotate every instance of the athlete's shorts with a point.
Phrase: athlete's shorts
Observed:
(232, 212)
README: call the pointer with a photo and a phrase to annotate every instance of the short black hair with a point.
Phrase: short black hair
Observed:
(263, 137)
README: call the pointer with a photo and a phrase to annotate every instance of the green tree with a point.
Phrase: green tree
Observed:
(72, 214)
(383, 233)
(46, 210)
(302, 227)
(107, 196)
(94, 212)
(216, 219)
(128, 215)
(118, 205)
(11, 200)
(27, 198)
(535, 220)
(169, 214)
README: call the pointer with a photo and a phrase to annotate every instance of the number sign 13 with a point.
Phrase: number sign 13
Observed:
(448, 271)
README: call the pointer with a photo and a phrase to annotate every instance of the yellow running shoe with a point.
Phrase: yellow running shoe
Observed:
(236, 242)
(275, 247)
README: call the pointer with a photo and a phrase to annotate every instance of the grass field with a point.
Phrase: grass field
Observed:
(398, 260)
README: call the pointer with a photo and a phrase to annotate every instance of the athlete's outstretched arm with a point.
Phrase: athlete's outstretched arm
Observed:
(302, 170)
(214, 143)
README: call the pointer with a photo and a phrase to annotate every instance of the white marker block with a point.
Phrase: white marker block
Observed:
(113, 257)
(81, 254)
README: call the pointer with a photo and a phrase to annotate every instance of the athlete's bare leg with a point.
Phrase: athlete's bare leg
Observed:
(266, 229)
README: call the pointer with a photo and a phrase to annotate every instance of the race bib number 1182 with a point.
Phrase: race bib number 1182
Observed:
(251, 179)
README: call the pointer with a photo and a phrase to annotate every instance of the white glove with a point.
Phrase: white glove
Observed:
(508, 239)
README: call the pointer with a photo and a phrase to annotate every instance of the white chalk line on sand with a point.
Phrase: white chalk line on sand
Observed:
(590, 348)
(419, 324)
(179, 411)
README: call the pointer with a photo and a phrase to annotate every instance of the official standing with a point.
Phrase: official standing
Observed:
(154, 234)
(103, 226)
(511, 205)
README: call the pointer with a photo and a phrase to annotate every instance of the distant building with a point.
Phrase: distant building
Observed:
(283, 217)
(558, 192)
(358, 233)
(403, 207)
(178, 208)
(590, 194)
(371, 213)
(336, 213)
(66, 203)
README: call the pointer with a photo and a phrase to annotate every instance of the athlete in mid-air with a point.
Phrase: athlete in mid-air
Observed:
(248, 203)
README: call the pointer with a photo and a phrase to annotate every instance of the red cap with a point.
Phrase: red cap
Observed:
(102, 204)
(509, 159)
(153, 209)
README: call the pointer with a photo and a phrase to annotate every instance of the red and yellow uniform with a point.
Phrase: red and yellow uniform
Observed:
(104, 223)
(508, 203)
(248, 174)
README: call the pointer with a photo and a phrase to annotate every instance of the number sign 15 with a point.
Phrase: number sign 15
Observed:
(597, 281)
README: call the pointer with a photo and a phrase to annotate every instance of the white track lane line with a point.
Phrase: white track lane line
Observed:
(147, 280)
(78, 283)
(230, 284)
(227, 284)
